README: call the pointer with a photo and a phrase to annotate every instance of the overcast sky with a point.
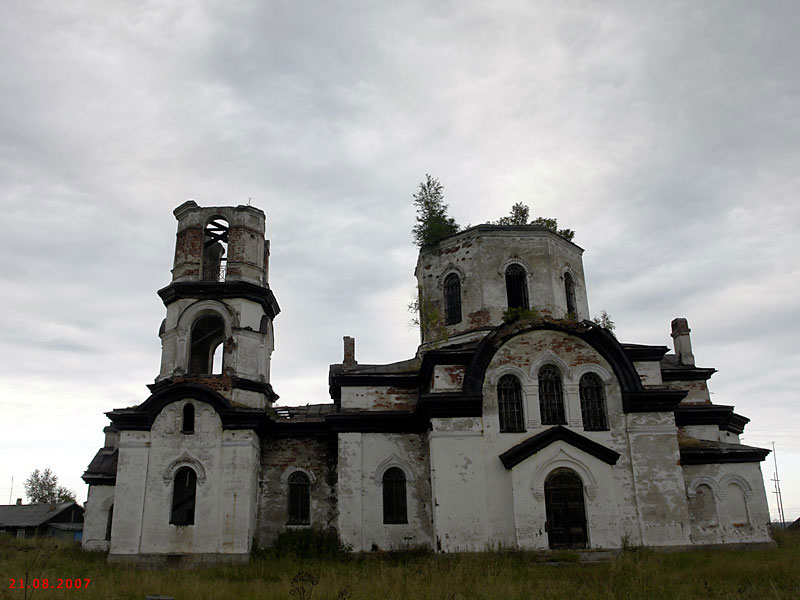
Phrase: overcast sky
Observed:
(666, 134)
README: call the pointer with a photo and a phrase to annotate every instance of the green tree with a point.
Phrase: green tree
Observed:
(42, 488)
(604, 320)
(520, 213)
(433, 223)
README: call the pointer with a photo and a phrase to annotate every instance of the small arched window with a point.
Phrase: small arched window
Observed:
(208, 332)
(299, 499)
(187, 425)
(394, 496)
(569, 291)
(551, 397)
(452, 299)
(593, 403)
(509, 404)
(184, 491)
(516, 287)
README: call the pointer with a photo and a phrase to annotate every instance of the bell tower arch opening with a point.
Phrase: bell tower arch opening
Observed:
(207, 337)
(215, 249)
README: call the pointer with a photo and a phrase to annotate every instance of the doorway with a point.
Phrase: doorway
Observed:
(566, 513)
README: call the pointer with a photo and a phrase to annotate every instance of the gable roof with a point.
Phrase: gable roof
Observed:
(516, 454)
(30, 515)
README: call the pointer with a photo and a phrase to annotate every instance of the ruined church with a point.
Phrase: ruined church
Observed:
(531, 428)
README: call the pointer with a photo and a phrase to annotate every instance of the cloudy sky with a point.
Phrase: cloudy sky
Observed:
(665, 134)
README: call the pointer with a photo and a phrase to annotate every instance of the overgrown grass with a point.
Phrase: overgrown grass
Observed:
(750, 573)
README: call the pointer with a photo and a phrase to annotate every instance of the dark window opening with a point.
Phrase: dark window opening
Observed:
(208, 333)
(299, 498)
(188, 419)
(593, 403)
(509, 403)
(516, 287)
(184, 492)
(569, 290)
(394, 496)
(551, 398)
(215, 250)
(565, 510)
(452, 299)
(108, 523)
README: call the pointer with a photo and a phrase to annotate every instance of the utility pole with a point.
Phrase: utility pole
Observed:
(777, 492)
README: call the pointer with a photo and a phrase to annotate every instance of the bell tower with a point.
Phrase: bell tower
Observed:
(218, 330)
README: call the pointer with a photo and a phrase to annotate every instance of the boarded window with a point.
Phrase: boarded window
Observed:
(208, 332)
(551, 398)
(516, 287)
(394, 496)
(188, 419)
(593, 403)
(702, 507)
(184, 491)
(735, 504)
(452, 299)
(569, 291)
(299, 498)
(509, 403)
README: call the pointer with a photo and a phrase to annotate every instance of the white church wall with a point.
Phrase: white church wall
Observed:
(657, 479)
(363, 459)
(95, 517)
(129, 492)
(741, 513)
(458, 476)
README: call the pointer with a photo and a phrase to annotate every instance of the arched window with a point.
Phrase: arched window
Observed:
(394, 496)
(187, 425)
(215, 248)
(208, 332)
(516, 287)
(452, 299)
(569, 291)
(593, 403)
(108, 523)
(184, 491)
(551, 398)
(299, 496)
(509, 404)
(735, 505)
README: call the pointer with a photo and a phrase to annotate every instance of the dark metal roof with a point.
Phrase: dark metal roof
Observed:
(515, 455)
(672, 370)
(30, 515)
(304, 414)
(710, 452)
(644, 352)
(720, 415)
(103, 468)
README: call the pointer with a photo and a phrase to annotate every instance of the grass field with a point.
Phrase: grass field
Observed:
(638, 573)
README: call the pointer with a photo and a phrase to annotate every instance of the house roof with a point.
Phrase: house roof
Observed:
(30, 515)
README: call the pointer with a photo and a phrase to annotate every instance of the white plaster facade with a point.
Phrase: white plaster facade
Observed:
(542, 431)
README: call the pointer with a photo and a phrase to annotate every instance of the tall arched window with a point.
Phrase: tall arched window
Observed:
(452, 299)
(299, 499)
(569, 291)
(108, 523)
(187, 425)
(593, 403)
(509, 404)
(184, 491)
(551, 398)
(208, 332)
(516, 287)
(394, 496)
